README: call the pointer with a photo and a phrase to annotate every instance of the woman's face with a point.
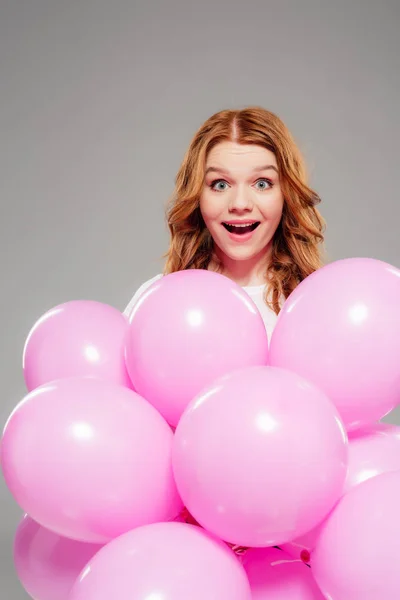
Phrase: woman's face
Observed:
(241, 202)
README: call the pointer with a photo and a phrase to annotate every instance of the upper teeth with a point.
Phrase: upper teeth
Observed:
(239, 224)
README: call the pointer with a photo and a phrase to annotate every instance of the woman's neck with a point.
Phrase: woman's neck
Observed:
(245, 273)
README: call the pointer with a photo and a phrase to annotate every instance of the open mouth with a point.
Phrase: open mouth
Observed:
(242, 228)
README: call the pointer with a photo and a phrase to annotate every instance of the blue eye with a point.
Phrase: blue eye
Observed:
(267, 182)
(218, 181)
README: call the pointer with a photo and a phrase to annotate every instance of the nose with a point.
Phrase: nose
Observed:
(240, 200)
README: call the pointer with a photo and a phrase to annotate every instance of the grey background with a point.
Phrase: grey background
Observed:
(99, 101)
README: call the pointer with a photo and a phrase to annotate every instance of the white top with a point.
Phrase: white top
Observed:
(255, 292)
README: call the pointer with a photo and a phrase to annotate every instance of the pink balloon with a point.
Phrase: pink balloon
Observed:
(89, 459)
(274, 575)
(46, 563)
(187, 329)
(260, 457)
(79, 338)
(373, 450)
(164, 561)
(340, 329)
(358, 550)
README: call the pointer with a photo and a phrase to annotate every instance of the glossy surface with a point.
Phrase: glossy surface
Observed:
(340, 329)
(78, 338)
(187, 329)
(164, 561)
(47, 564)
(373, 450)
(89, 459)
(260, 457)
(357, 554)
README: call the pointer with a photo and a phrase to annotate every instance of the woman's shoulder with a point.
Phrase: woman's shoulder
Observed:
(139, 292)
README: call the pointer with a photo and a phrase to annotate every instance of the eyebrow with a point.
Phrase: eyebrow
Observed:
(255, 170)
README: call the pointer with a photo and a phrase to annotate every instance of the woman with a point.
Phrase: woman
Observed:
(242, 207)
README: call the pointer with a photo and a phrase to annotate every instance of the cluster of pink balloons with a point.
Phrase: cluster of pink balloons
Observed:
(373, 450)
(184, 408)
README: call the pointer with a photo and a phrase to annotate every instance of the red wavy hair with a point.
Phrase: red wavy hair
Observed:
(296, 249)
